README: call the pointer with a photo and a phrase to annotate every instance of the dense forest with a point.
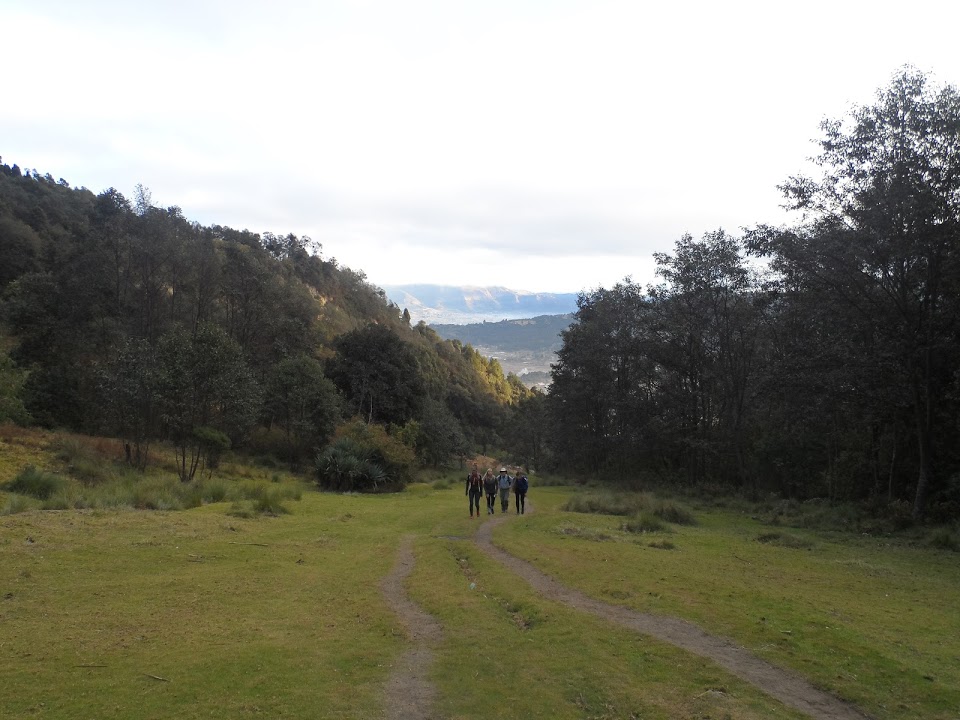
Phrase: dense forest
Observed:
(820, 360)
(122, 318)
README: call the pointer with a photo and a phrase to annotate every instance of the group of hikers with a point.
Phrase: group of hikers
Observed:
(492, 485)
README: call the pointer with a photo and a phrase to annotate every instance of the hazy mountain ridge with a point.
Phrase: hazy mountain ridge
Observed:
(464, 304)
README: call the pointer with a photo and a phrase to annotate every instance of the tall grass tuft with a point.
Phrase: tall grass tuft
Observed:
(943, 539)
(674, 513)
(607, 503)
(36, 483)
(17, 504)
(645, 522)
(784, 540)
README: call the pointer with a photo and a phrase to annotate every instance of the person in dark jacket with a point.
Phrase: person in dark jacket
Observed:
(520, 487)
(490, 490)
(474, 490)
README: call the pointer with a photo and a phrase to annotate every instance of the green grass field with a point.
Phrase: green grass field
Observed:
(200, 613)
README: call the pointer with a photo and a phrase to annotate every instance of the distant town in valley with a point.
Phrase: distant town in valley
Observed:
(521, 330)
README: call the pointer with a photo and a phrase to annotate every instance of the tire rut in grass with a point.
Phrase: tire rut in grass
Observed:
(409, 694)
(790, 689)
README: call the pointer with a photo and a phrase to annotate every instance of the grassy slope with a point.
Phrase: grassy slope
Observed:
(282, 617)
(874, 621)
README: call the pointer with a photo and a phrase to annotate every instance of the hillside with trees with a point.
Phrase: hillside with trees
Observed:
(815, 361)
(831, 368)
(127, 319)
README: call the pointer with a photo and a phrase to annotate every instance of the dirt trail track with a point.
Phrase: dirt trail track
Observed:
(409, 695)
(790, 689)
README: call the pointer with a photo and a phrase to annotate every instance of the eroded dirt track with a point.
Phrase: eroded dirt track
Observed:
(792, 690)
(409, 694)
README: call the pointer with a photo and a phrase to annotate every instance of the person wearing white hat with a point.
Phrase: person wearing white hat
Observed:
(504, 482)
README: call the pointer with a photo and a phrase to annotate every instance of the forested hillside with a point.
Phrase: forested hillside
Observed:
(123, 318)
(833, 373)
(541, 333)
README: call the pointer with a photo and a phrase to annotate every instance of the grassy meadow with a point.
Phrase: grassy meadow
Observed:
(238, 608)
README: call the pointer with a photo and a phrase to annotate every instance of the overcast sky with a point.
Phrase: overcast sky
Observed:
(546, 146)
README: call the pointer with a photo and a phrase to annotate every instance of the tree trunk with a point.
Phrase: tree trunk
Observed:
(921, 399)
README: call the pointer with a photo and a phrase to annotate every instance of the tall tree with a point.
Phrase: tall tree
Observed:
(202, 383)
(378, 374)
(882, 238)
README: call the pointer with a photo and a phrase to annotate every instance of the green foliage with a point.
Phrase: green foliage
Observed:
(835, 376)
(378, 374)
(606, 503)
(568, 529)
(440, 436)
(645, 522)
(213, 444)
(304, 402)
(784, 540)
(674, 513)
(17, 504)
(12, 381)
(35, 483)
(663, 545)
(944, 539)
(364, 458)
(348, 466)
(128, 318)
(203, 381)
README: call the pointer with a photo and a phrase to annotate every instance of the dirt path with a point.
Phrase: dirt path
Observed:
(409, 694)
(790, 689)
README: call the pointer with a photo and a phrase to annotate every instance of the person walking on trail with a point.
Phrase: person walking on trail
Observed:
(504, 483)
(474, 490)
(490, 490)
(520, 487)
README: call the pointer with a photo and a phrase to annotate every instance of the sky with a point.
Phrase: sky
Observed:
(541, 146)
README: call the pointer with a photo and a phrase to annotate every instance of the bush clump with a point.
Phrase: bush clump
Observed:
(663, 545)
(36, 483)
(606, 503)
(943, 539)
(674, 513)
(784, 540)
(364, 458)
(645, 522)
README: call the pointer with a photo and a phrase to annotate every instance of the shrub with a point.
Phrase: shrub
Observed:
(943, 539)
(784, 540)
(213, 444)
(214, 491)
(663, 545)
(644, 523)
(346, 466)
(584, 533)
(606, 503)
(36, 483)
(17, 504)
(270, 503)
(158, 494)
(673, 513)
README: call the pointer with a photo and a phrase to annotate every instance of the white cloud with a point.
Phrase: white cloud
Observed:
(569, 140)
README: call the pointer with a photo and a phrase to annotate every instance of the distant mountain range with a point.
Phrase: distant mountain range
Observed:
(459, 305)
